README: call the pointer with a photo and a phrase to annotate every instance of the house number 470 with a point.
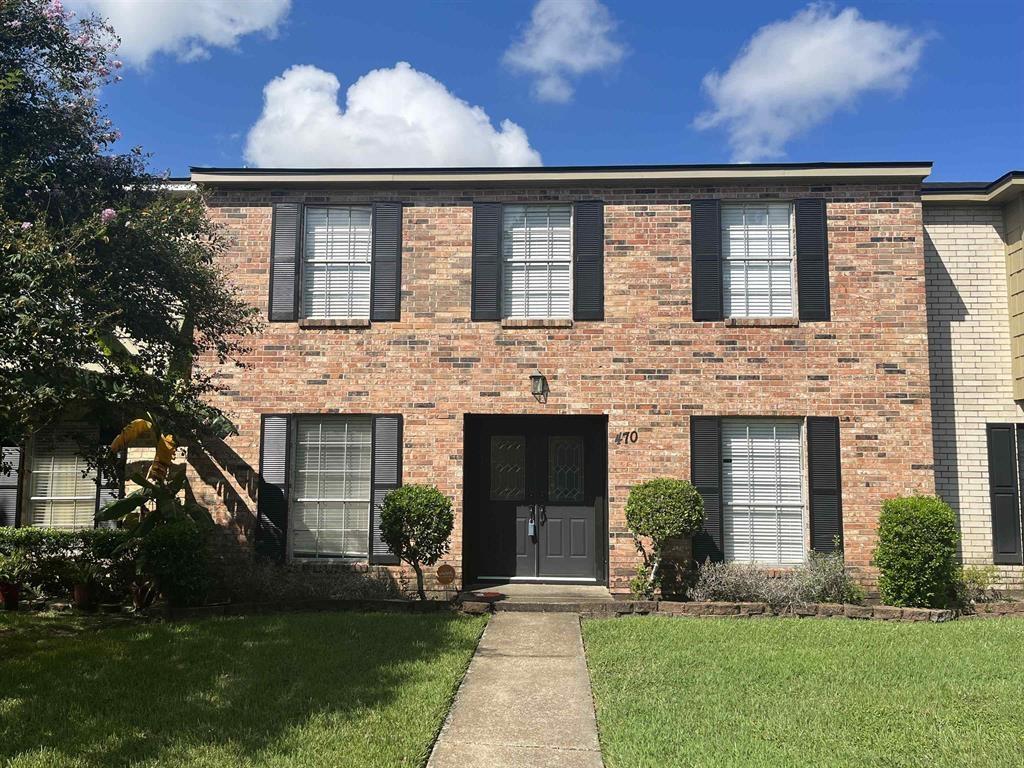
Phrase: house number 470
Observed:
(625, 438)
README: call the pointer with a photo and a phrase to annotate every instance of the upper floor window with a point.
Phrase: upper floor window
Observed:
(762, 491)
(331, 508)
(537, 256)
(61, 488)
(757, 250)
(337, 249)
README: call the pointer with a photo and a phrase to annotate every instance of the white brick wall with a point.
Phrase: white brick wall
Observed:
(969, 347)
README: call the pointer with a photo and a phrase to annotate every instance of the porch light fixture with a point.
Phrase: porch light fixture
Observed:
(539, 385)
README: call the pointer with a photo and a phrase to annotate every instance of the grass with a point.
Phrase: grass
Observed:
(792, 692)
(341, 689)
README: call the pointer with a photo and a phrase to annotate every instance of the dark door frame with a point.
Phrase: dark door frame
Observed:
(472, 447)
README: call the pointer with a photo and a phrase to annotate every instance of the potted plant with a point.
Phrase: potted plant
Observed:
(14, 568)
(83, 573)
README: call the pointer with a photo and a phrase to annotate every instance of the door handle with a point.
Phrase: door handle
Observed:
(543, 514)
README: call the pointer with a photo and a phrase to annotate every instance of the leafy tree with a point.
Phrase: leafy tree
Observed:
(416, 522)
(659, 510)
(108, 282)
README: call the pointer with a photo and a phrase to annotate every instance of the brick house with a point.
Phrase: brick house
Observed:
(536, 341)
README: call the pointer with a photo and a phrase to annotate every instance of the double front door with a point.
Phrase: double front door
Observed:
(539, 497)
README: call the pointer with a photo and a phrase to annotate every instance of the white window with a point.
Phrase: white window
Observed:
(331, 510)
(757, 248)
(336, 263)
(536, 245)
(61, 488)
(762, 488)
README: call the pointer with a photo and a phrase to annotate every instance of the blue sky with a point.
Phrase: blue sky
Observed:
(953, 97)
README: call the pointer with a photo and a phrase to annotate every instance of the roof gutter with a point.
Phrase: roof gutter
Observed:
(1002, 189)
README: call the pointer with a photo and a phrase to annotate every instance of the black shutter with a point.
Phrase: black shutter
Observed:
(386, 469)
(588, 260)
(284, 261)
(706, 259)
(486, 263)
(706, 476)
(385, 297)
(9, 486)
(110, 485)
(1004, 447)
(825, 483)
(812, 259)
(272, 505)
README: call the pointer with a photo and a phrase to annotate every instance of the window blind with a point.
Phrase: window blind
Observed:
(758, 260)
(762, 491)
(62, 490)
(337, 250)
(331, 510)
(537, 261)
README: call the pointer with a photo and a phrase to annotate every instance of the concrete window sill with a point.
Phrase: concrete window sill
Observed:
(334, 322)
(517, 322)
(762, 322)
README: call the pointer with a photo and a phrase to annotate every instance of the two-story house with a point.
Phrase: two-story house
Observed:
(536, 341)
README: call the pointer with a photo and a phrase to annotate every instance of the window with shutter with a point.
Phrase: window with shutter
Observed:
(536, 246)
(61, 487)
(757, 254)
(762, 488)
(336, 255)
(330, 515)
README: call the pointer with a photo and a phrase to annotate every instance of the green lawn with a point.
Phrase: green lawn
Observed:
(340, 689)
(807, 692)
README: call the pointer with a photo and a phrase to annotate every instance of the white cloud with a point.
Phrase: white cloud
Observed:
(565, 38)
(794, 74)
(184, 28)
(397, 117)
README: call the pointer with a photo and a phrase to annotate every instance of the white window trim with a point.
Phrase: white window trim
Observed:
(792, 266)
(293, 499)
(25, 516)
(302, 316)
(805, 515)
(505, 316)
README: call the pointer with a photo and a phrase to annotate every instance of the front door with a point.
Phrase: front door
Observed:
(539, 497)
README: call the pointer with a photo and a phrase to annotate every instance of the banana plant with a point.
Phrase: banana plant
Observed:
(158, 499)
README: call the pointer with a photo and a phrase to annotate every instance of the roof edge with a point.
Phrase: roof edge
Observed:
(973, 191)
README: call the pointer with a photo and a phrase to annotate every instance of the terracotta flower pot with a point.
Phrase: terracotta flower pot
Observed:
(11, 595)
(83, 596)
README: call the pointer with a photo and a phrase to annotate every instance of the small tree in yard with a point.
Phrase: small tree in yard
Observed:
(659, 510)
(416, 522)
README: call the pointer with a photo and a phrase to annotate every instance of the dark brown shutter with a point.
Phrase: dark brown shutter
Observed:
(284, 261)
(386, 470)
(9, 485)
(824, 479)
(486, 262)
(706, 259)
(386, 294)
(812, 259)
(588, 260)
(272, 505)
(706, 476)
(1004, 451)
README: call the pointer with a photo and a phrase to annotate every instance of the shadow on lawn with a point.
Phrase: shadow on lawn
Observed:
(234, 689)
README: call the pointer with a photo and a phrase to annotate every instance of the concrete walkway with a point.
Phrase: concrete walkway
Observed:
(525, 701)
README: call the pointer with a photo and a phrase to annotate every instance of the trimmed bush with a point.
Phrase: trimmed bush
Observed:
(174, 556)
(916, 553)
(659, 510)
(416, 522)
(822, 579)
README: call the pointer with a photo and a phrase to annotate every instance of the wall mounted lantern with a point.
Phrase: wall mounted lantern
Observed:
(539, 386)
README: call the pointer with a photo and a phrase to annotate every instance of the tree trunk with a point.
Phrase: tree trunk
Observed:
(419, 580)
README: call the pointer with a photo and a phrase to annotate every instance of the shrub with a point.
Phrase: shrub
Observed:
(916, 553)
(174, 557)
(416, 522)
(822, 579)
(263, 580)
(977, 584)
(659, 510)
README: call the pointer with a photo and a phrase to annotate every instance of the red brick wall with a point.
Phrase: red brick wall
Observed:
(648, 366)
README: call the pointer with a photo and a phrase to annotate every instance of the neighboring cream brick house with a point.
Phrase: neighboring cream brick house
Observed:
(975, 325)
